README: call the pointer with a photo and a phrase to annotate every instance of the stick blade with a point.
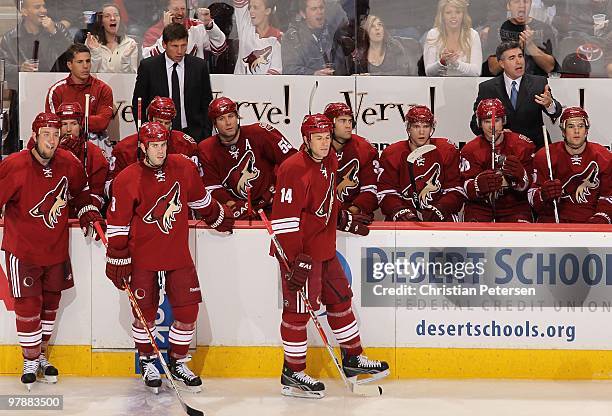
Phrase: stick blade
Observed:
(366, 390)
(191, 411)
(417, 153)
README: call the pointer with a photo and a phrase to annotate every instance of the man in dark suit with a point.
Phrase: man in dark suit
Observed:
(182, 77)
(525, 97)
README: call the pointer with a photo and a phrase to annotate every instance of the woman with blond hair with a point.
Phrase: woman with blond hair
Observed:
(452, 47)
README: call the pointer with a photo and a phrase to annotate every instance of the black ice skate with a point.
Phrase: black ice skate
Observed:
(186, 379)
(300, 384)
(47, 373)
(150, 373)
(30, 368)
(358, 365)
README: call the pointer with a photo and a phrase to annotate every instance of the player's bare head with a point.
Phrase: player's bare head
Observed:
(46, 133)
(420, 125)
(313, 13)
(33, 11)
(178, 10)
(162, 110)
(223, 113)
(341, 116)
(71, 116)
(317, 132)
(486, 110)
(574, 127)
(153, 141)
(174, 39)
(78, 59)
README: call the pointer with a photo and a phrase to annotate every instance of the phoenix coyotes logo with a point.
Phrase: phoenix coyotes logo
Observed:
(258, 57)
(241, 177)
(431, 185)
(326, 207)
(164, 211)
(579, 187)
(349, 180)
(50, 207)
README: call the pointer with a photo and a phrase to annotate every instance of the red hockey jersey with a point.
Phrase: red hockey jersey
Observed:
(305, 209)
(124, 153)
(476, 158)
(101, 104)
(357, 175)
(228, 171)
(36, 199)
(149, 212)
(586, 180)
(436, 174)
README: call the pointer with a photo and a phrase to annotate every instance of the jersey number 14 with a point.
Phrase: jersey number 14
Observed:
(286, 195)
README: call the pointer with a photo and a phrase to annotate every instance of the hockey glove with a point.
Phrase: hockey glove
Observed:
(298, 275)
(224, 222)
(88, 215)
(550, 190)
(513, 168)
(118, 266)
(239, 208)
(73, 144)
(599, 218)
(432, 214)
(353, 223)
(487, 182)
(404, 214)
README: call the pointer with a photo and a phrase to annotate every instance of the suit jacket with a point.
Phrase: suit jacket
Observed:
(152, 80)
(526, 119)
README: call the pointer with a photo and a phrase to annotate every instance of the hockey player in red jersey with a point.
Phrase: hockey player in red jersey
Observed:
(148, 233)
(36, 187)
(239, 162)
(435, 175)
(73, 140)
(508, 182)
(582, 175)
(357, 163)
(305, 218)
(126, 152)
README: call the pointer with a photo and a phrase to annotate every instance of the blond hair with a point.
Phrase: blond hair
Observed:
(465, 37)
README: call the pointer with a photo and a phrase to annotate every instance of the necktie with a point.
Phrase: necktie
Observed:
(513, 94)
(176, 97)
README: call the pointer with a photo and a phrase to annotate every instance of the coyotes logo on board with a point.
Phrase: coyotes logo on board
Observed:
(241, 177)
(164, 211)
(578, 187)
(428, 183)
(326, 207)
(349, 179)
(52, 204)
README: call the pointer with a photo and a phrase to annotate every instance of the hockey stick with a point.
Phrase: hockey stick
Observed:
(2, 62)
(413, 157)
(432, 99)
(188, 409)
(312, 95)
(86, 132)
(493, 138)
(581, 97)
(550, 172)
(355, 388)
(138, 125)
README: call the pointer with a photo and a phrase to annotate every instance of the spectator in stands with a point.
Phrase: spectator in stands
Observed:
(309, 46)
(204, 35)
(17, 45)
(574, 18)
(452, 47)
(111, 50)
(378, 53)
(535, 37)
(73, 89)
(259, 41)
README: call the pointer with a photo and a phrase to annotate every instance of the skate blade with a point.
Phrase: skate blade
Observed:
(154, 390)
(295, 392)
(367, 390)
(47, 379)
(184, 387)
(369, 378)
(28, 386)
